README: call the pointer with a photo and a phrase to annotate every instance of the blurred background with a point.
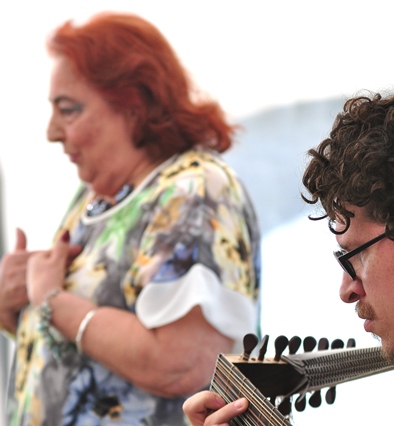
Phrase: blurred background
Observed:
(282, 69)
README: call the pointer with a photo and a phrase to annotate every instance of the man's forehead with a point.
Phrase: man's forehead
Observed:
(361, 229)
(359, 214)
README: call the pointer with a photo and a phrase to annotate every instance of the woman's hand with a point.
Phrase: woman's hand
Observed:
(46, 270)
(209, 409)
(13, 294)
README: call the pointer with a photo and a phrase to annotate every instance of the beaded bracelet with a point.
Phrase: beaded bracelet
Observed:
(56, 342)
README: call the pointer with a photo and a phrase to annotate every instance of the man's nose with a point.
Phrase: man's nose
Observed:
(351, 290)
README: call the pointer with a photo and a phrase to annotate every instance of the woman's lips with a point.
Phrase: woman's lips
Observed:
(73, 158)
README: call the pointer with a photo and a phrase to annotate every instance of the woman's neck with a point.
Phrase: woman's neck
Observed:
(109, 187)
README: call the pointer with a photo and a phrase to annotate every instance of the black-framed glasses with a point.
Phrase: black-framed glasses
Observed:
(343, 256)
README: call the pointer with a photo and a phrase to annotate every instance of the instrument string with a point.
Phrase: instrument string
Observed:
(323, 370)
(229, 382)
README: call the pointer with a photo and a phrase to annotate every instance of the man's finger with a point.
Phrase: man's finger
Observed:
(227, 413)
(203, 402)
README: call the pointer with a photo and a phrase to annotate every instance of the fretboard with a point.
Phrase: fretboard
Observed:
(231, 384)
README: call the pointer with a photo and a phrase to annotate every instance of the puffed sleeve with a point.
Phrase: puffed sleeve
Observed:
(200, 248)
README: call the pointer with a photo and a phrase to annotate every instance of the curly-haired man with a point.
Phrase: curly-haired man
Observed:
(350, 175)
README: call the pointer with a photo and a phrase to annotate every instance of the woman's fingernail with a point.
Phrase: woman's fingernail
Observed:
(66, 236)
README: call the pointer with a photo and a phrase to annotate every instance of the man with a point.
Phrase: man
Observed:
(351, 176)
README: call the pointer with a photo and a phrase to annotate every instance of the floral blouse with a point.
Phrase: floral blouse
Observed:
(186, 236)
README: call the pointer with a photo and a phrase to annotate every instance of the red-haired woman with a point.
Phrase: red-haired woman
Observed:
(155, 266)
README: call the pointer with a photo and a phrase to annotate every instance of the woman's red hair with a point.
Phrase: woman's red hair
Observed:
(135, 69)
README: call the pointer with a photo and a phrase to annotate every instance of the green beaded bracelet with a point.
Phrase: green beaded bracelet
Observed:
(56, 342)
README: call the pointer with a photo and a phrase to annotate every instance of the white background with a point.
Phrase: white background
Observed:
(250, 55)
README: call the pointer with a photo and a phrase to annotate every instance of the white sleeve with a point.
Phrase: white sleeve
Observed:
(228, 311)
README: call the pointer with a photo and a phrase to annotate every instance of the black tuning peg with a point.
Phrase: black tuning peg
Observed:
(309, 344)
(280, 345)
(263, 348)
(300, 403)
(285, 406)
(351, 343)
(337, 344)
(330, 395)
(315, 399)
(250, 342)
(294, 344)
(323, 344)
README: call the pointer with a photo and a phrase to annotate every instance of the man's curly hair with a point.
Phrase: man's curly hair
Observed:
(355, 165)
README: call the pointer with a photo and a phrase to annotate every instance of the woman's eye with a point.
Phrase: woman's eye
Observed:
(68, 110)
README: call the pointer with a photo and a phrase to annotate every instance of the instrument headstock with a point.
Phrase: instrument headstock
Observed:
(275, 378)
(300, 367)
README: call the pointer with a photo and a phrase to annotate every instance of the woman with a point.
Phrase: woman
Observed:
(155, 267)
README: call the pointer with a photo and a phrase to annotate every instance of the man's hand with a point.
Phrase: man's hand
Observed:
(209, 409)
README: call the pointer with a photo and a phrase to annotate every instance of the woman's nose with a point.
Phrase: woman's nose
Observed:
(55, 132)
(351, 290)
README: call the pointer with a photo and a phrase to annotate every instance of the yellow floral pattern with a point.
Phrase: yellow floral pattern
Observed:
(191, 210)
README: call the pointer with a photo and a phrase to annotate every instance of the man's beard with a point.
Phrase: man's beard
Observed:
(366, 311)
(388, 351)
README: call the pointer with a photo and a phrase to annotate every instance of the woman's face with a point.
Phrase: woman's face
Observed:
(94, 136)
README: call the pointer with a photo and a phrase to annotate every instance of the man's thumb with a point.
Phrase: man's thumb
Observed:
(21, 240)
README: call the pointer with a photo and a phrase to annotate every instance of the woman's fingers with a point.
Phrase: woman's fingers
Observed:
(46, 270)
(21, 240)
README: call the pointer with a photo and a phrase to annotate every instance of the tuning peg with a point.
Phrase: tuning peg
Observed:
(337, 344)
(294, 344)
(263, 348)
(285, 406)
(351, 343)
(332, 392)
(315, 399)
(309, 344)
(323, 344)
(280, 345)
(300, 403)
(330, 395)
(250, 342)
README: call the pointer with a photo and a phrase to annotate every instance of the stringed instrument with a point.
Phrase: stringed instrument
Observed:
(270, 383)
